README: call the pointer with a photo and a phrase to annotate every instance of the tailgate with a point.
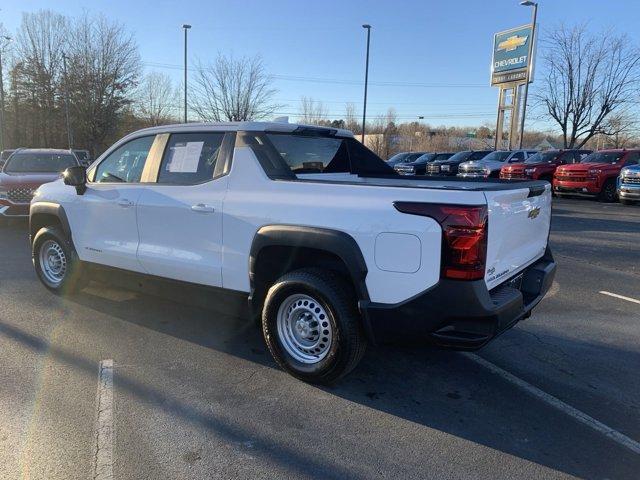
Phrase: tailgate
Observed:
(519, 222)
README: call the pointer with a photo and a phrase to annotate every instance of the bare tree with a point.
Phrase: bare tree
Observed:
(156, 98)
(620, 128)
(40, 43)
(312, 112)
(233, 90)
(351, 118)
(104, 66)
(587, 78)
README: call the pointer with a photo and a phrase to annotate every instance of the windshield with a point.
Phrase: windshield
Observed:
(603, 157)
(541, 157)
(427, 157)
(29, 162)
(398, 157)
(499, 156)
(456, 157)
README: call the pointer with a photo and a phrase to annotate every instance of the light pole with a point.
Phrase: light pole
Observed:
(366, 81)
(66, 101)
(414, 133)
(528, 3)
(185, 27)
(7, 39)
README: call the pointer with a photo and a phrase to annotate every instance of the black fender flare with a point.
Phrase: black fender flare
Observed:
(52, 209)
(336, 242)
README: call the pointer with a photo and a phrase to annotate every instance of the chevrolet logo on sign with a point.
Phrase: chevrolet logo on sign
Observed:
(511, 43)
(534, 213)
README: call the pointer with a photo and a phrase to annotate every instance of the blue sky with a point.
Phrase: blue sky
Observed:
(428, 57)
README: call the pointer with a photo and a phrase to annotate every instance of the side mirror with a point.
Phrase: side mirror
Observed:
(76, 177)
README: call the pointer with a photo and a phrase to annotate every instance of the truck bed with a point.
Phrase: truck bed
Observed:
(438, 183)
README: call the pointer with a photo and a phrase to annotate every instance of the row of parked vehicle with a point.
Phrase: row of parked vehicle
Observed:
(605, 174)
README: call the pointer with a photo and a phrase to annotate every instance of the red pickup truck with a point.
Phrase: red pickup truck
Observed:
(542, 165)
(595, 176)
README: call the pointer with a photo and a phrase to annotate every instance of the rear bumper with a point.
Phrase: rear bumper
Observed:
(460, 314)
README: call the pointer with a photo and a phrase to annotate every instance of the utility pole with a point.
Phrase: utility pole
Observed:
(186, 27)
(528, 3)
(366, 81)
(7, 39)
(66, 101)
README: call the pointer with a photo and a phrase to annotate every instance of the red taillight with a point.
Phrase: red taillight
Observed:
(464, 236)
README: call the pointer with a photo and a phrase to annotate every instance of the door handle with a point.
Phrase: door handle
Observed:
(123, 202)
(201, 207)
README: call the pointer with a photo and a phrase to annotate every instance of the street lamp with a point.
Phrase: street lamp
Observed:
(414, 133)
(66, 101)
(366, 80)
(4, 40)
(185, 27)
(528, 3)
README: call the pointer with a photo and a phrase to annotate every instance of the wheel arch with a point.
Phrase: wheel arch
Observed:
(43, 214)
(288, 247)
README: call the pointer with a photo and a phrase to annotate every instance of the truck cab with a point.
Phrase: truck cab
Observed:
(596, 175)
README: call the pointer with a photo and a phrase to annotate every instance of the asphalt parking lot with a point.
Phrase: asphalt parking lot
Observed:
(196, 395)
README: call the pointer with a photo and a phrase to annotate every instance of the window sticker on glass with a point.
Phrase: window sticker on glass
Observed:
(185, 157)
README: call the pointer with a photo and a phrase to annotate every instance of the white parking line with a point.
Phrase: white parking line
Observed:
(103, 444)
(621, 297)
(576, 414)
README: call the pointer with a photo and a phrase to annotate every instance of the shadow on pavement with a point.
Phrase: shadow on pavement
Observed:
(438, 389)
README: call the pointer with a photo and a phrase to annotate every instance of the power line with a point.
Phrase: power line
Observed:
(298, 78)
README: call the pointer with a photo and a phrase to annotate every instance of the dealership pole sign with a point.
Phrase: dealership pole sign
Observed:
(513, 54)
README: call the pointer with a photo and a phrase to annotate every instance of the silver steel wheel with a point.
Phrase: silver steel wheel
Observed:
(304, 328)
(53, 262)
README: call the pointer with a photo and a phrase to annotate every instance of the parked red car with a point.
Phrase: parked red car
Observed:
(24, 171)
(595, 176)
(542, 165)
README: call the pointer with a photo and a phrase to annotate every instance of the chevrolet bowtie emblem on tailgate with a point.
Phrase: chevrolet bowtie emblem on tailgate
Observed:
(512, 43)
(534, 213)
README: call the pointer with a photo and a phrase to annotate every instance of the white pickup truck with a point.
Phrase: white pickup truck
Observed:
(330, 247)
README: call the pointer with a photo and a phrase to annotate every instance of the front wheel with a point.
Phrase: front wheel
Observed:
(55, 261)
(311, 325)
(608, 193)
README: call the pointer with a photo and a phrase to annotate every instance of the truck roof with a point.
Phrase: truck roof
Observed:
(58, 151)
(243, 126)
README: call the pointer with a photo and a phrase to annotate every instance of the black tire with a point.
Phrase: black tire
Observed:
(71, 279)
(335, 296)
(608, 193)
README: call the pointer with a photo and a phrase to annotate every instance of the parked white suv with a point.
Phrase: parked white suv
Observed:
(331, 248)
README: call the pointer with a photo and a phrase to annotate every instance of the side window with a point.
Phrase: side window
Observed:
(190, 158)
(518, 156)
(632, 159)
(126, 163)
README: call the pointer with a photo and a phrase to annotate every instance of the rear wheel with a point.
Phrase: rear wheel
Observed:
(608, 193)
(311, 325)
(55, 261)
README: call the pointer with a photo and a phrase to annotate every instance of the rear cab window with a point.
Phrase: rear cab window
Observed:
(288, 155)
